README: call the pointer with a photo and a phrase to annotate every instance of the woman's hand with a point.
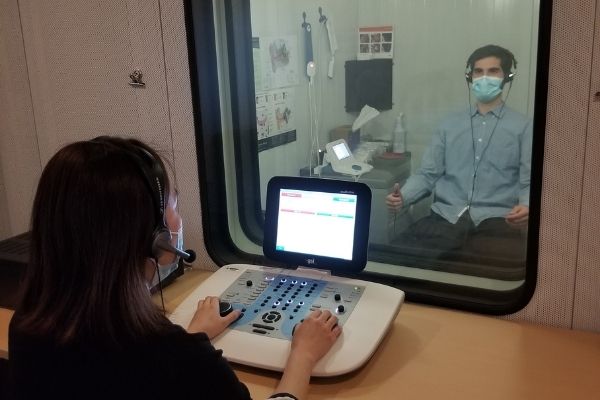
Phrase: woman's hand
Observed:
(312, 339)
(315, 335)
(208, 320)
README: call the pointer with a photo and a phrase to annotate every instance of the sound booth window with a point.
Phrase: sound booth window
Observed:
(427, 111)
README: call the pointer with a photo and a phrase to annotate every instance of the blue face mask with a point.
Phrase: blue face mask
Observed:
(486, 88)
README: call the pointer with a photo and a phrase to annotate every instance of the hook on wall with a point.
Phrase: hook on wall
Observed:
(304, 24)
(322, 18)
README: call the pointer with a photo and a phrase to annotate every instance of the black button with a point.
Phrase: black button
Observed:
(269, 328)
(224, 308)
(259, 331)
(248, 283)
(340, 309)
(337, 297)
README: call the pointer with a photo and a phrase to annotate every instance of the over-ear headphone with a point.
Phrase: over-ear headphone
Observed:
(154, 177)
(508, 61)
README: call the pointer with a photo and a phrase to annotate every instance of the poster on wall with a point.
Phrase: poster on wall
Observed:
(275, 71)
(375, 42)
(278, 57)
(275, 113)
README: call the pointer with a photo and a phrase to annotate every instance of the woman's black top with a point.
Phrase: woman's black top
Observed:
(174, 364)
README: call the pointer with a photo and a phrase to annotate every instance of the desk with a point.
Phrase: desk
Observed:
(433, 353)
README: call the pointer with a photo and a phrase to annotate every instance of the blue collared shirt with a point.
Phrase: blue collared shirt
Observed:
(489, 181)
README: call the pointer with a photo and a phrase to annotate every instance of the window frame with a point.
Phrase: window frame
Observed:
(200, 25)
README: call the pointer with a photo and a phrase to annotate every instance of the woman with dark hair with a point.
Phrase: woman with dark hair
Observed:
(105, 226)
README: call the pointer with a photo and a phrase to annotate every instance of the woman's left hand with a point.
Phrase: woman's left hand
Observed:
(208, 320)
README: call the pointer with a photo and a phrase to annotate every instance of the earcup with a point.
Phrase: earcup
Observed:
(161, 241)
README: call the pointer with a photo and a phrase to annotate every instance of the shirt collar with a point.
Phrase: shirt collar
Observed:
(498, 111)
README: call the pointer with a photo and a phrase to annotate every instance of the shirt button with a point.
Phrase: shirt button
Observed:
(477, 158)
(480, 140)
(483, 123)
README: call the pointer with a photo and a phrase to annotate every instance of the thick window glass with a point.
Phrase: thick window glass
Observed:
(438, 106)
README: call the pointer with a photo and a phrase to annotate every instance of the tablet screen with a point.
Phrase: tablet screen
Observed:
(322, 223)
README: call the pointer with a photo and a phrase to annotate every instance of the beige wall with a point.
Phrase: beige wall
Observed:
(67, 80)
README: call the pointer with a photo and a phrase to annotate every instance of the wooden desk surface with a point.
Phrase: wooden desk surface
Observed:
(433, 353)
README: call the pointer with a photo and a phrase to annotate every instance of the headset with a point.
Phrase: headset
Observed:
(507, 61)
(154, 177)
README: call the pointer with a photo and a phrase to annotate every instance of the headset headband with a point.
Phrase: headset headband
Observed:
(505, 56)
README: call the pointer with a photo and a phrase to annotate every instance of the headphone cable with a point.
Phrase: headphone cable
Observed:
(162, 300)
(475, 163)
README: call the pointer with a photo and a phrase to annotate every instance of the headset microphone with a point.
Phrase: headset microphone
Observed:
(188, 255)
(191, 258)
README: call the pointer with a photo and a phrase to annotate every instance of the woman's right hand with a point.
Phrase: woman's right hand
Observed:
(312, 339)
(315, 335)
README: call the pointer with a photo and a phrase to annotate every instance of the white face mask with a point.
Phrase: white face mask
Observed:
(167, 269)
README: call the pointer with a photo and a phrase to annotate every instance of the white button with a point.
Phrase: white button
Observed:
(477, 158)
(480, 140)
(483, 123)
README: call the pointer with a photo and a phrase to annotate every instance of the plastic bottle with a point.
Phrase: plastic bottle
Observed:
(399, 135)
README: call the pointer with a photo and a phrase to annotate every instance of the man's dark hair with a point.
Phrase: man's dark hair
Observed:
(507, 59)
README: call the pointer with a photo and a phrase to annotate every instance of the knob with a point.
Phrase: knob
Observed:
(340, 309)
(224, 308)
(337, 297)
(248, 283)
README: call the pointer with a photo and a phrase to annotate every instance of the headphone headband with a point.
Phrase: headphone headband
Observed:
(154, 177)
(508, 61)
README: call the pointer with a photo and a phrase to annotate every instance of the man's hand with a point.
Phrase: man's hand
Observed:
(394, 200)
(518, 216)
(207, 318)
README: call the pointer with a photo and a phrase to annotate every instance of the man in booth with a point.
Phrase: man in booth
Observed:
(477, 167)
